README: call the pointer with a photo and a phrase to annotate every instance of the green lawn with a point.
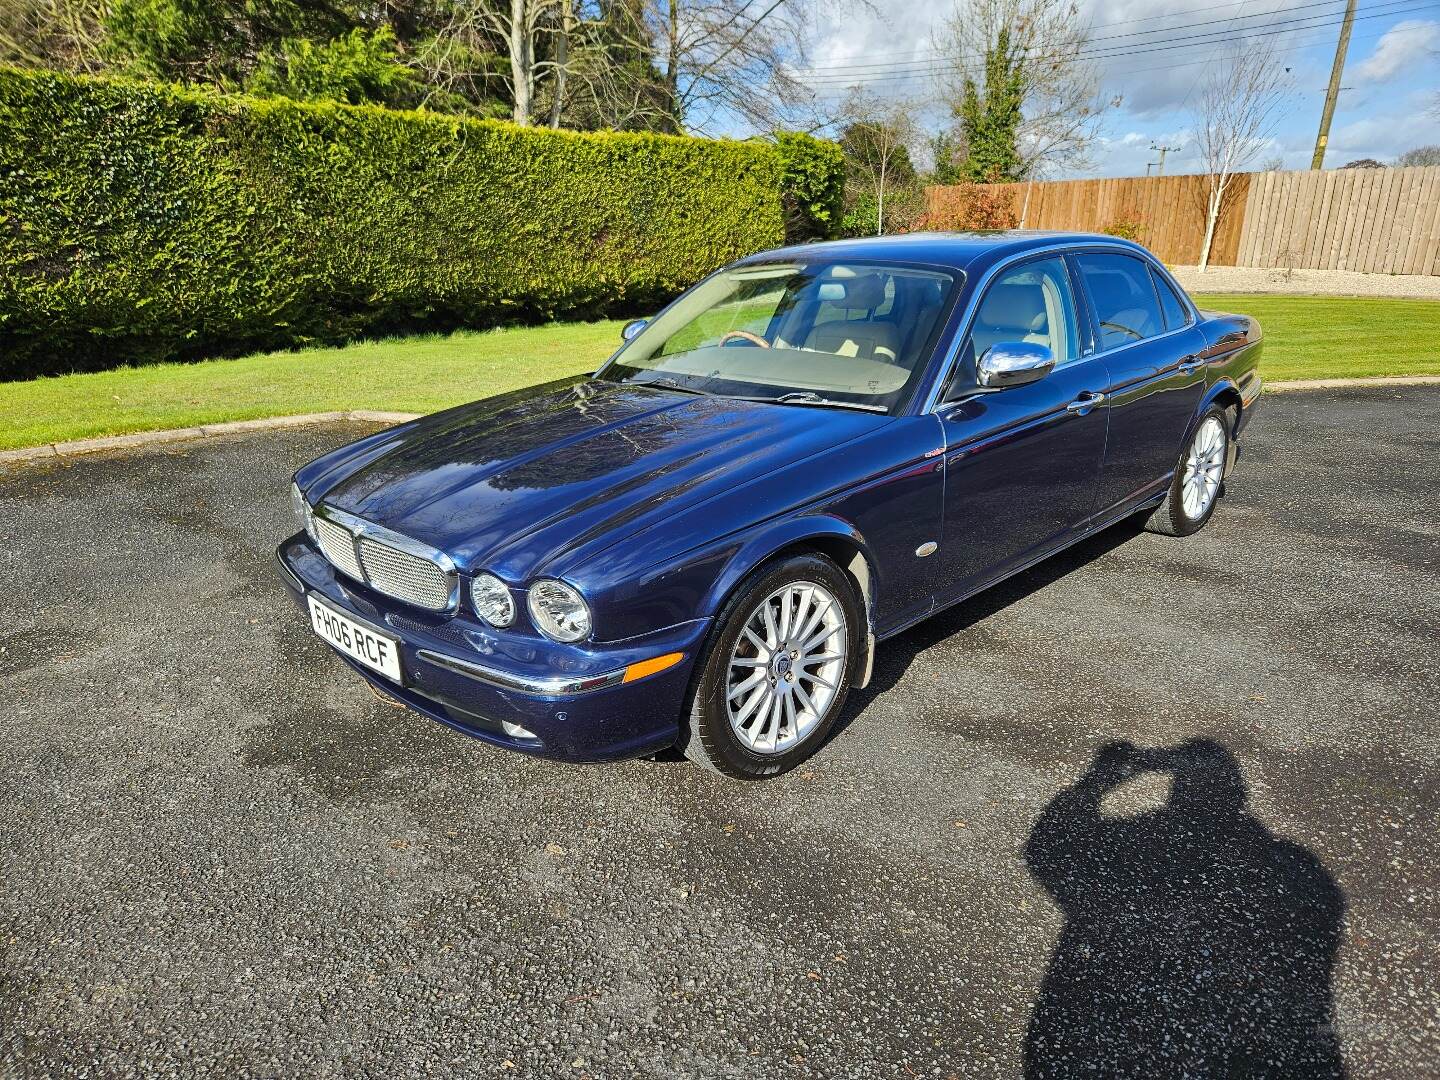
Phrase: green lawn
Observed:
(418, 374)
(1324, 337)
(1305, 337)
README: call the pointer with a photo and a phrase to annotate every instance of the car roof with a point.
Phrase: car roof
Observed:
(963, 251)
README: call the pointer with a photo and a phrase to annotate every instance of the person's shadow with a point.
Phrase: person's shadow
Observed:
(1196, 942)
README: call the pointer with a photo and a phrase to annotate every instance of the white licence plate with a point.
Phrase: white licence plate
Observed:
(375, 651)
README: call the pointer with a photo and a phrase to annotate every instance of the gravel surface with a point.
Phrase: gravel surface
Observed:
(222, 854)
(1254, 279)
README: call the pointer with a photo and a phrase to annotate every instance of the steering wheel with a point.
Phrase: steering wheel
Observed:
(743, 335)
(1121, 329)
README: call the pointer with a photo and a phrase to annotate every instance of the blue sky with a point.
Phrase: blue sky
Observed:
(1392, 71)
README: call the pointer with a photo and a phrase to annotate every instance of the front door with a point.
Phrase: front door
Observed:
(1022, 465)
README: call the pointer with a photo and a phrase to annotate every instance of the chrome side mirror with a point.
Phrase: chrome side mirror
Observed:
(1014, 363)
(632, 330)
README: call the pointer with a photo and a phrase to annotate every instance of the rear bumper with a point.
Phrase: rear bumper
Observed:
(464, 675)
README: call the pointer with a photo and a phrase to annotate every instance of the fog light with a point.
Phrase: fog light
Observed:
(515, 731)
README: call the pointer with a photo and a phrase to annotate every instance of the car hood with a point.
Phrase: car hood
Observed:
(512, 483)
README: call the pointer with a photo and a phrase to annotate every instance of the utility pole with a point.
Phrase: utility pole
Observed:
(1336, 70)
(1160, 168)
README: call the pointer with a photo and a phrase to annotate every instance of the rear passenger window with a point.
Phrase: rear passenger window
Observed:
(1175, 314)
(1124, 298)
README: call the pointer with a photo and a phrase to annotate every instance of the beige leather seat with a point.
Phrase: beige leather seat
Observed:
(1012, 313)
(862, 337)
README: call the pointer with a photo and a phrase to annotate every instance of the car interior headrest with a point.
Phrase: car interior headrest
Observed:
(1014, 307)
(865, 291)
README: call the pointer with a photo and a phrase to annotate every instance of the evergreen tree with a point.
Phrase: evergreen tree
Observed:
(991, 121)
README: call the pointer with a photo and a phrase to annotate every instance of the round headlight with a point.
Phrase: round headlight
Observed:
(492, 600)
(559, 611)
(304, 516)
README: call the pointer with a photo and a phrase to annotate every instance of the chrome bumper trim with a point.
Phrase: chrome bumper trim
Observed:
(558, 686)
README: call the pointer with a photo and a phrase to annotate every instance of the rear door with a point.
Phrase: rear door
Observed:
(1021, 465)
(1146, 333)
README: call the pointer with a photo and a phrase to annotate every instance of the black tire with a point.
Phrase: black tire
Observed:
(1170, 517)
(707, 737)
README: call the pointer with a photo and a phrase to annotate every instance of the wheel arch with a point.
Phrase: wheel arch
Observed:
(1226, 395)
(836, 539)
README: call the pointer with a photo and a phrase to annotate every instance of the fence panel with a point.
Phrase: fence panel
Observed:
(1376, 221)
(1379, 221)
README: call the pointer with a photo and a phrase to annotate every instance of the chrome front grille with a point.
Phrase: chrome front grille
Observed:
(338, 545)
(403, 575)
(386, 561)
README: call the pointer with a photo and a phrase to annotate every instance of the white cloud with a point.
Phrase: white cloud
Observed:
(1406, 44)
(1381, 137)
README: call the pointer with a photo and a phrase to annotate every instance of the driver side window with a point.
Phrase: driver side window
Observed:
(1124, 296)
(1029, 303)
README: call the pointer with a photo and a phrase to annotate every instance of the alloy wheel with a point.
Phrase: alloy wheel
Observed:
(1204, 468)
(786, 667)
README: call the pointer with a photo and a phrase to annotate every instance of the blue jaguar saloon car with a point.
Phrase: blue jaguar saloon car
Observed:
(702, 544)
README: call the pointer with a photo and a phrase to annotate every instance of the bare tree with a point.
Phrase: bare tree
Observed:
(474, 26)
(1235, 114)
(877, 137)
(1421, 155)
(1033, 51)
(718, 59)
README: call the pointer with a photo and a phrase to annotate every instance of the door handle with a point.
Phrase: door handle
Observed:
(1085, 402)
(1189, 363)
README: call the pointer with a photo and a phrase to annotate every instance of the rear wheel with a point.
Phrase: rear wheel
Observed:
(1198, 477)
(778, 670)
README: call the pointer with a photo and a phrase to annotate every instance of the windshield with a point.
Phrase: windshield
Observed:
(837, 333)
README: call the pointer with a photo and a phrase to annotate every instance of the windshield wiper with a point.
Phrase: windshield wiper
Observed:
(809, 397)
(671, 384)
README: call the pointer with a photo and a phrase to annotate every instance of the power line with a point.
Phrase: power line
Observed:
(933, 56)
(1301, 47)
(1168, 45)
(928, 68)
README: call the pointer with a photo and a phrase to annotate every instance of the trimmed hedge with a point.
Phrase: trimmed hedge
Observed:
(812, 185)
(141, 223)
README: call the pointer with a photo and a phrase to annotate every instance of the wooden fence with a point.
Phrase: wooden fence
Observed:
(1382, 221)
(1378, 221)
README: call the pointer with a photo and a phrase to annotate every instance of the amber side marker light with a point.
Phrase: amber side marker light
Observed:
(652, 666)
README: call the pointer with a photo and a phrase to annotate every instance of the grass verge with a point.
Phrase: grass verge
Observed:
(1306, 337)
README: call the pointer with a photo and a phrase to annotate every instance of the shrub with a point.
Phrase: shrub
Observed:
(358, 68)
(141, 223)
(1126, 229)
(970, 208)
(812, 185)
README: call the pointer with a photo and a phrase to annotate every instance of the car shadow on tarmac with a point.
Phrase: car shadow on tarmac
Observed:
(894, 657)
(1196, 942)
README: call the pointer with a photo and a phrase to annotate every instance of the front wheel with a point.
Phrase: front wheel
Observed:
(1198, 476)
(778, 671)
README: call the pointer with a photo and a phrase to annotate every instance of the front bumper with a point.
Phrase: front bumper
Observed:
(471, 678)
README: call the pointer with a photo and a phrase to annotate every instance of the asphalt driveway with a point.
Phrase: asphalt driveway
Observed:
(219, 853)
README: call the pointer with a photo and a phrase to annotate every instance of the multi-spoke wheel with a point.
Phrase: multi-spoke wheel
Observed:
(786, 667)
(1204, 466)
(778, 671)
(1198, 478)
